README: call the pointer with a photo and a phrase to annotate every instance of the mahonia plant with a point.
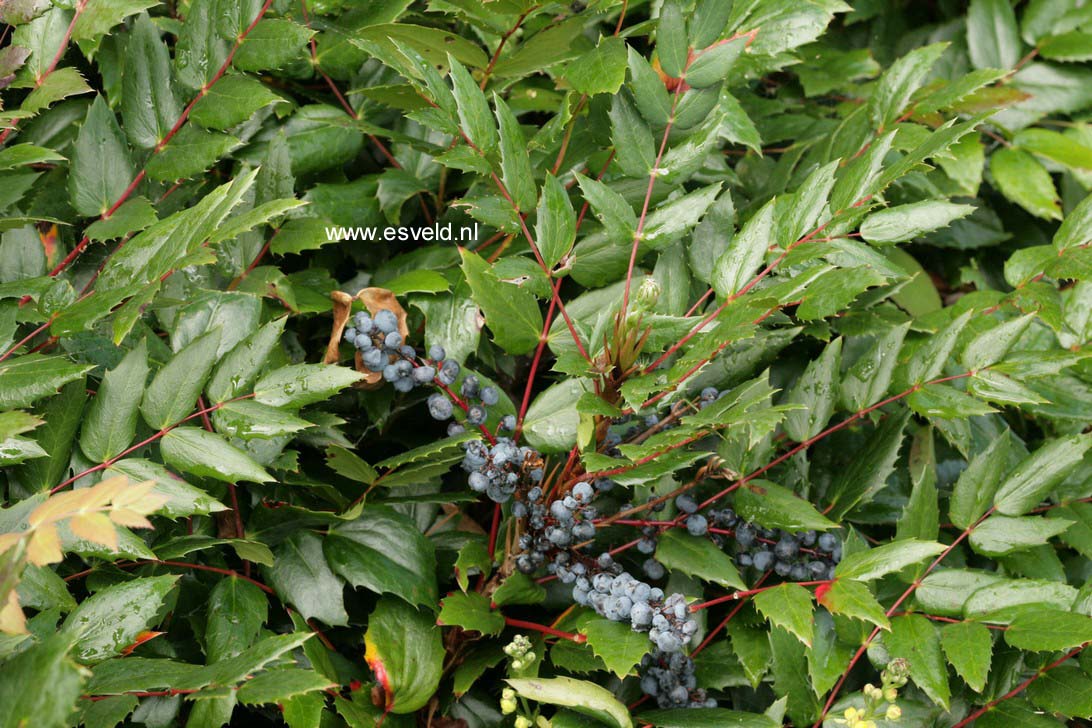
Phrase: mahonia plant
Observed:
(612, 362)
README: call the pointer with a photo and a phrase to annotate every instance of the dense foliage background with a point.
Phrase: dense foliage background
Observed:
(799, 289)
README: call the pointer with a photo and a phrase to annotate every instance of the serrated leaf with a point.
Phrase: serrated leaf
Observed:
(206, 454)
(773, 506)
(555, 227)
(302, 578)
(297, 385)
(999, 535)
(853, 599)
(788, 605)
(470, 611)
(616, 644)
(886, 559)
(1048, 630)
(383, 551)
(969, 649)
(511, 312)
(1039, 473)
(107, 622)
(1022, 179)
(697, 556)
(175, 387)
(915, 639)
(110, 423)
(906, 222)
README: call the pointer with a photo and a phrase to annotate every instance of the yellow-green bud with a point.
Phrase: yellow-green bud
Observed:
(542, 722)
(851, 715)
(894, 712)
(648, 294)
(508, 706)
(522, 722)
(872, 691)
(891, 695)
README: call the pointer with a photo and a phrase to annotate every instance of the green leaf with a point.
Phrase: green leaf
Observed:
(555, 226)
(175, 388)
(272, 44)
(1039, 473)
(1000, 535)
(1064, 690)
(474, 118)
(714, 64)
(610, 208)
(41, 685)
(237, 610)
(1055, 146)
(1048, 630)
(515, 163)
(788, 605)
(697, 556)
(616, 644)
(405, 651)
(239, 368)
(278, 685)
(1007, 593)
(110, 423)
(231, 101)
(928, 360)
(471, 611)
(1022, 179)
(671, 41)
(149, 106)
(580, 695)
(705, 718)
(297, 385)
(915, 639)
(772, 506)
(815, 393)
(26, 379)
(551, 421)
(303, 579)
(183, 499)
(945, 401)
(867, 379)
(98, 18)
(100, 167)
(191, 152)
(867, 474)
(1074, 230)
(1074, 46)
(853, 599)
(599, 70)
(109, 621)
(993, 40)
(207, 455)
(383, 551)
(518, 588)
(968, 647)
(886, 559)
(746, 251)
(899, 82)
(135, 215)
(906, 222)
(635, 148)
(247, 420)
(511, 311)
(60, 84)
(991, 346)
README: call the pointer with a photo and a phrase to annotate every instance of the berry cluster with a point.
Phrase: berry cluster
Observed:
(476, 398)
(802, 556)
(621, 597)
(382, 349)
(669, 677)
(499, 469)
(630, 427)
(565, 522)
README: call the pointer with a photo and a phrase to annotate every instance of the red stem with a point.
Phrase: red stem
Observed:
(542, 339)
(545, 630)
(1019, 688)
(182, 119)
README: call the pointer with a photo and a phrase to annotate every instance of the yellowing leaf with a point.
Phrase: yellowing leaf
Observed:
(94, 527)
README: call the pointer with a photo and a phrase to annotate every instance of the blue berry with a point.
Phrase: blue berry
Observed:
(436, 352)
(696, 525)
(476, 414)
(439, 406)
(686, 503)
(489, 396)
(449, 372)
(386, 321)
(653, 569)
(470, 386)
(508, 422)
(424, 374)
